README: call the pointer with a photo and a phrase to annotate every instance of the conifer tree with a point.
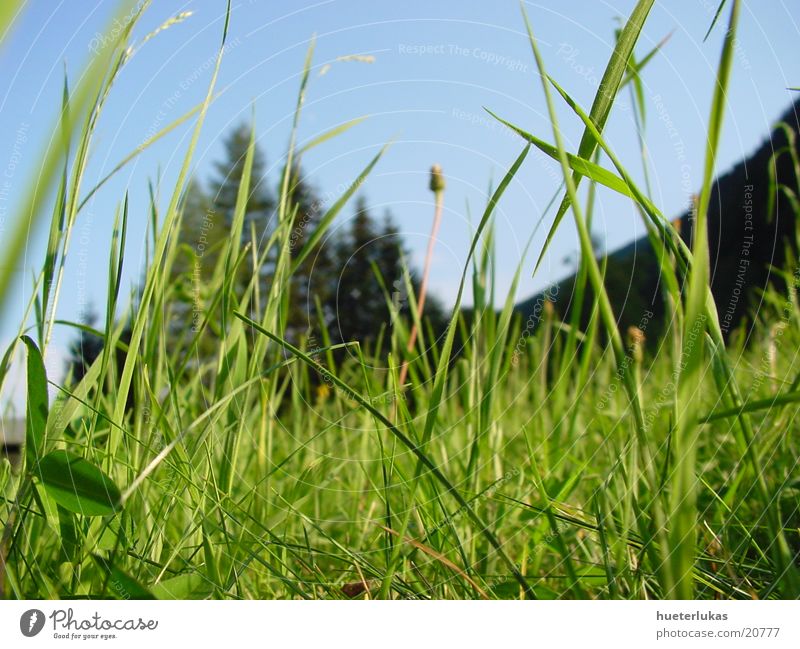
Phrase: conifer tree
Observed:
(360, 301)
(314, 280)
(259, 212)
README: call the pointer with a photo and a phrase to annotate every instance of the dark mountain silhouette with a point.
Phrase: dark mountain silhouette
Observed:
(752, 226)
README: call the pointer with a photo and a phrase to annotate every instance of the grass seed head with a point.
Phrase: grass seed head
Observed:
(437, 179)
(636, 340)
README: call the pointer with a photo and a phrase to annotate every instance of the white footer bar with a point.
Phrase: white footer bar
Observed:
(399, 624)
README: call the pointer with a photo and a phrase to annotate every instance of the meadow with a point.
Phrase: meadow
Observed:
(505, 458)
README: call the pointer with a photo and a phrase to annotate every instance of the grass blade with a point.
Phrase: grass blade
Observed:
(36, 422)
(77, 485)
(604, 100)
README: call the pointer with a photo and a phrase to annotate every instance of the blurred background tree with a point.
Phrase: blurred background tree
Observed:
(336, 286)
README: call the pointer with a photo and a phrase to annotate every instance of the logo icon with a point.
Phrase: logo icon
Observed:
(31, 622)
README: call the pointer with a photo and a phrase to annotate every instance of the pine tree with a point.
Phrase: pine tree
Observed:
(200, 237)
(338, 274)
(360, 301)
(357, 285)
(229, 171)
(259, 211)
(314, 280)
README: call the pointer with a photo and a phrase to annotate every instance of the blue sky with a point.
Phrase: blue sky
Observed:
(436, 65)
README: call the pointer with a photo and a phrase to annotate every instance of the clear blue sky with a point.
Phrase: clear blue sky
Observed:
(436, 65)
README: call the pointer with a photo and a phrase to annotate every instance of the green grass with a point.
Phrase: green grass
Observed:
(533, 462)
